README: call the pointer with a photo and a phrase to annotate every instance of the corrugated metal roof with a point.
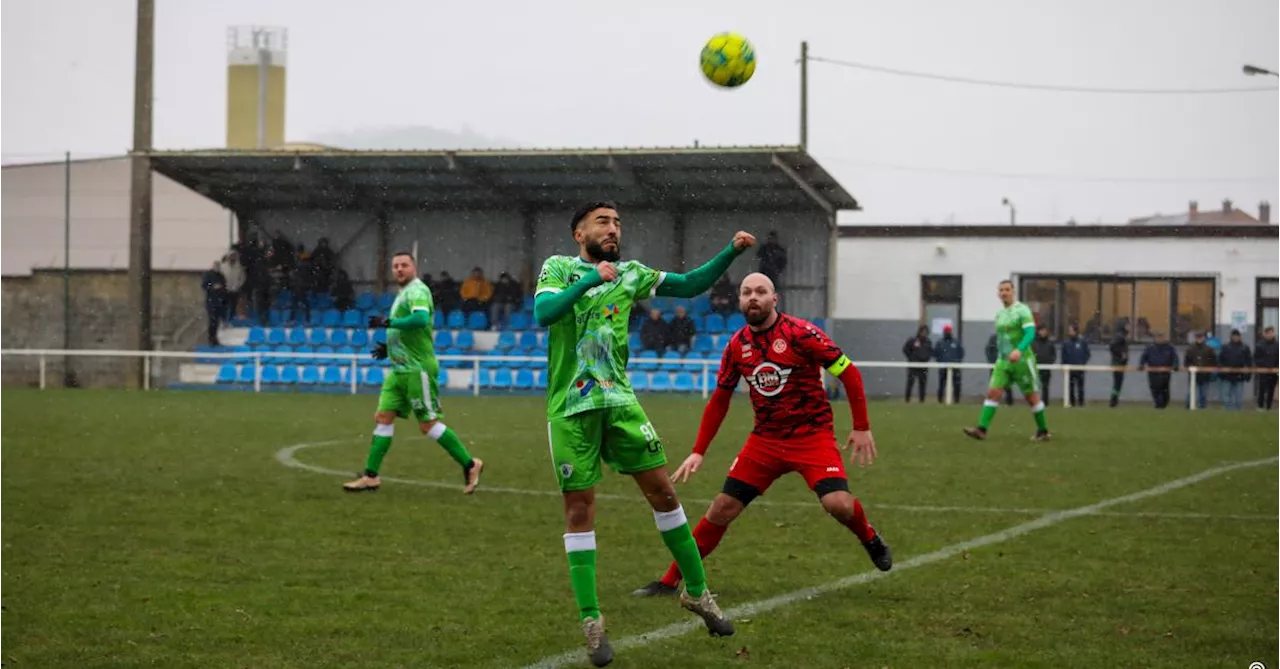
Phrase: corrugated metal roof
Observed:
(690, 179)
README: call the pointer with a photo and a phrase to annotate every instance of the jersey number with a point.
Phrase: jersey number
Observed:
(651, 436)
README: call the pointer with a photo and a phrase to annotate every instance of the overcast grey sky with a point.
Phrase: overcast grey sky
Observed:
(577, 73)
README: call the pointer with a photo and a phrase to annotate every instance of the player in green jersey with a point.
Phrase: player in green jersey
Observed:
(410, 387)
(585, 302)
(1015, 330)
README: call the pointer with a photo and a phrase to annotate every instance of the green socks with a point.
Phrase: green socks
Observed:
(581, 549)
(1038, 412)
(679, 540)
(449, 441)
(378, 448)
(988, 412)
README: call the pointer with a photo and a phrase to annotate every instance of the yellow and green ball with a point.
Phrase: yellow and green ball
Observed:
(728, 60)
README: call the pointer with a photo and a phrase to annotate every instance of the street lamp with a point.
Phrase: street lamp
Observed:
(1252, 70)
(1013, 211)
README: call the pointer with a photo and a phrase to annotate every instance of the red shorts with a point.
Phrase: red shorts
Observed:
(761, 461)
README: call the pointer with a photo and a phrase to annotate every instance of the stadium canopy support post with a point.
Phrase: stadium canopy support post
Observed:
(804, 96)
(140, 190)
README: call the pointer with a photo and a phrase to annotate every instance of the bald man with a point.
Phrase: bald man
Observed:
(782, 359)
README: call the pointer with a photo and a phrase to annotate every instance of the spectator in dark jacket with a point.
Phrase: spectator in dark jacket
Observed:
(1267, 355)
(1119, 360)
(344, 294)
(918, 349)
(1046, 354)
(772, 257)
(1235, 355)
(683, 330)
(724, 297)
(1200, 355)
(1161, 358)
(948, 350)
(446, 293)
(300, 280)
(215, 295)
(507, 298)
(1075, 351)
(655, 333)
(993, 353)
(323, 262)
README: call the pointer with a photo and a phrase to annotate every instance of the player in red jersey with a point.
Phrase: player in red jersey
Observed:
(782, 359)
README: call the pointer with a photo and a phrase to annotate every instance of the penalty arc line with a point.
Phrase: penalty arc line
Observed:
(287, 457)
(673, 630)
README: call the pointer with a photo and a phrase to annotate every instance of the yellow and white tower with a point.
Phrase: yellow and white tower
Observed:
(256, 57)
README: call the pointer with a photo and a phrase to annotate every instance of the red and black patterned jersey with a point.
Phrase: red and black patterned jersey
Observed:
(783, 366)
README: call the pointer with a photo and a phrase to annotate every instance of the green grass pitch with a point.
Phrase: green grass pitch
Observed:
(160, 530)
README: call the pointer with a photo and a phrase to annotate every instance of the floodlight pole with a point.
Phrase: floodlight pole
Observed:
(139, 316)
(68, 375)
(804, 96)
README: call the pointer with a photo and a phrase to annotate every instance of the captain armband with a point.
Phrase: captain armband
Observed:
(837, 368)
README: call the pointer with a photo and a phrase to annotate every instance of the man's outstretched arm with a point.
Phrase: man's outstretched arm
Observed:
(851, 379)
(712, 418)
(700, 280)
(550, 306)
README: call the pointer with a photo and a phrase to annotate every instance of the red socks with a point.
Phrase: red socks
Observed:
(708, 536)
(858, 523)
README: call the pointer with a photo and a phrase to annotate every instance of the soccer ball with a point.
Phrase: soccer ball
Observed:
(728, 60)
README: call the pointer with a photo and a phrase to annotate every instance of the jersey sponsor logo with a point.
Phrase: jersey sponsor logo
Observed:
(610, 311)
(746, 350)
(833, 469)
(584, 387)
(768, 379)
(779, 346)
(566, 470)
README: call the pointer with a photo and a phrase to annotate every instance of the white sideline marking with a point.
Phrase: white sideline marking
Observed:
(286, 456)
(575, 657)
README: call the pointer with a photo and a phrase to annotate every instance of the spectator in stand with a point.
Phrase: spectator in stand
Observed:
(682, 331)
(993, 353)
(772, 258)
(446, 294)
(257, 277)
(476, 292)
(233, 271)
(1046, 354)
(1200, 355)
(507, 298)
(430, 283)
(281, 254)
(1160, 359)
(918, 349)
(1119, 360)
(1235, 356)
(300, 289)
(655, 333)
(215, 296)
(1075, 352)
(948, 350)
(344, 294)
(1267, 355)
(724, 297)
(323, 262)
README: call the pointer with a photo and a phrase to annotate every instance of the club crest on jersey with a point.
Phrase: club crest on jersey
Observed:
(746, 350)
(779, 346)
(566, 470)
(768, 379)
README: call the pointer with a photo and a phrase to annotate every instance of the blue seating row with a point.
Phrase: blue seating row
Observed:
(498, 379)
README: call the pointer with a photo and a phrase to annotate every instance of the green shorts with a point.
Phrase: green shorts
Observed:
(1024, 374)
(411, 391)
(622, 436)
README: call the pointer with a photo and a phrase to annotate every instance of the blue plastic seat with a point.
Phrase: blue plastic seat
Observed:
(386, 300)
(359, 338)
(456, 320)
(379, 336)
(506, 340)
(528, 302)
(701, 305)
(270, 374)
(244, 374)
(702, 343)
(483, 380)
(256, 336)
(332, 376)
(466, 340)
(437, 320)
(275, 318)
(723, 340)
(540, 382)
(289, 374)
(338, 337)
(226, 373)
(374, 376)
(352, 319)
(520, 321)
(323, 350)
(820, 323)
(633, 341)
(528, 340)
(310, 375)
(297, 336)
(639, 381)
(647, 361)
(735, 322)
(524, 380)
(242, 354)
(683, 383)
(444, 339)
(317, 318)
(660, 382)
(366, 301)
(442, 378)
(502, 378)
(275, 337)
(278, 358)
(318, 337)
(478, 321)
(332, 318)
(715, 323)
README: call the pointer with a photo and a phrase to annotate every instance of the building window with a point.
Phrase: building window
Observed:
(1102, 306)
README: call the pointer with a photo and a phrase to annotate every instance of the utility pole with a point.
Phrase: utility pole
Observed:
(139, 317)
(804, 96)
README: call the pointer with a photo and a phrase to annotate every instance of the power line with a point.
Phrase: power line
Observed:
(1053, 177)
(1041, 87)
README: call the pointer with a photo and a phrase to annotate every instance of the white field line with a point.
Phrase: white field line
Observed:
(287, 457)
(575, 657)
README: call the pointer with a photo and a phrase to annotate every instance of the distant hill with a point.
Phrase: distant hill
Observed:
(413, 138)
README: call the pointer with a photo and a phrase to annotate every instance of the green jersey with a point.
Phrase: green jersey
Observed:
(412, 350)
(587, 350)
(1010, 324)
